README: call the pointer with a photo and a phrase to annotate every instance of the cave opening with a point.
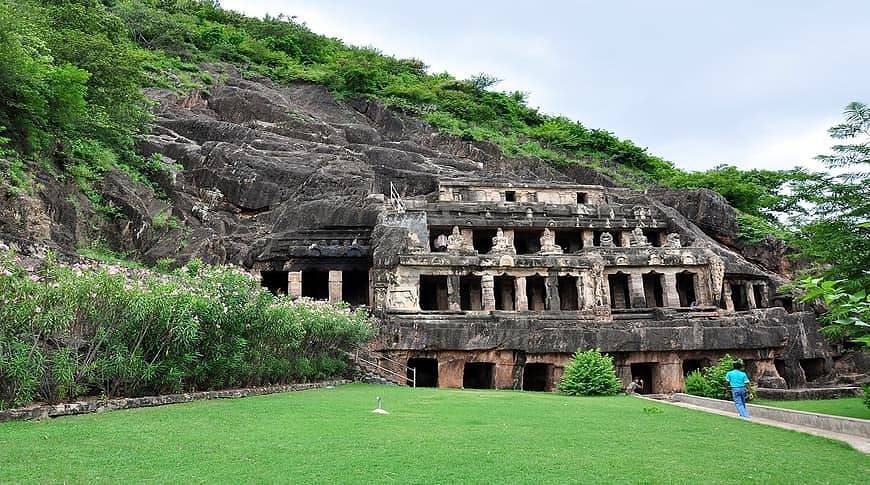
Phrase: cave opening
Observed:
(427, 371)
(478, 375)
(536, 377)
(433, 293)
(536, 293)
(568, 300)
(315, 284)
(619, 297)
(274, 281)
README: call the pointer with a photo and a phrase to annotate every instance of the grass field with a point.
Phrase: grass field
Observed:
(852, 407)
(430, 436)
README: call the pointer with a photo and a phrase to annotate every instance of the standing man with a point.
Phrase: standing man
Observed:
(738, 381)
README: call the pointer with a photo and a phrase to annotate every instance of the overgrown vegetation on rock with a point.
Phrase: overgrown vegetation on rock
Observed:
(70, 331)
(590, 373)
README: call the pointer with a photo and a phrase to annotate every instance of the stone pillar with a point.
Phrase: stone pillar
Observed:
(765, 296)
(503, 376)
(522, 297)
(581, 292)
(450, 372)
(487, 287)
(624, 238)
(750, 296)
(294, 284)
(726, 296)
(624, 374)
(669, 290)
(635, 290)
(552, 284)
(702, 290)
(335, 278)
(453, 293)
(668, 376)
(588, 236)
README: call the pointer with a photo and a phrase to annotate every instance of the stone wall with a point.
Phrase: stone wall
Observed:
(42, 411)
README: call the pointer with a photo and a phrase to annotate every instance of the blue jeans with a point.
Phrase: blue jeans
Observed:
(740, 401)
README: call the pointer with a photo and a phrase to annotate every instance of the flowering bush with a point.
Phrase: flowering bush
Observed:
(68, 331)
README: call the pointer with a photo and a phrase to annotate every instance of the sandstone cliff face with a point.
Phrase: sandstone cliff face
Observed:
(248, 162)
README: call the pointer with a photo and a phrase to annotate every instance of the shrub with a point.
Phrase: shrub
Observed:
(711, 382)
(696, 384)
(106, 330)
(590, 373)
(866, 389)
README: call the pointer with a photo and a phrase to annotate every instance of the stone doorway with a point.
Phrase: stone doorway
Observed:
(427, 371)
(691, 365)
(686, 289)
(619, 297)
(505, 293)
(433, 293)
(482, 240)
(739, 297)
(315, 284)
(477, 375)
(644, 371)
(568, 293)
(652, 289)
(813, 368)
(527, 242)
(537, 377)
(758, 293)
(570, 241)
(536, 293)
(355, 287)
(274, 281)
(470, 296)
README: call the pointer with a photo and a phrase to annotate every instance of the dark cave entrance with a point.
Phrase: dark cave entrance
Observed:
(482, 240)
(427, 371)
(477, 375)
(570, 241)
(686, 288)
(653, 290)
(355, 287)
(536, 377)
(644, 371)
(536, 293)
(315, 284)
(618, 284)
(527, 242)
(470, 296)
(738, 297)
(274, 281)
(433, 293)
(568, 300)
(505, 293)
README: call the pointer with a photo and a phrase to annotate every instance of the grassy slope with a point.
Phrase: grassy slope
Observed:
(852, 407)
(431, 436)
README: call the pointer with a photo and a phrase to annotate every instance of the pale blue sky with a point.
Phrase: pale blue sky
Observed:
(745, 82)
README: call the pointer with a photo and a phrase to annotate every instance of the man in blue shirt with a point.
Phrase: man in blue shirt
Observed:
(738, 381)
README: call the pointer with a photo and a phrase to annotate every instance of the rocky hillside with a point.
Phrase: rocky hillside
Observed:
(247, 161)
(302, 133)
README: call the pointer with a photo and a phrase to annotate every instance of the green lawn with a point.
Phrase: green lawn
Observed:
(852, 407)
(431, 436)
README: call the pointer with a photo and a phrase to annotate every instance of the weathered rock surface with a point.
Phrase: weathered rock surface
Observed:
(249, 163)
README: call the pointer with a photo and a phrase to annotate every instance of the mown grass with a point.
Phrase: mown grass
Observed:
(852, 407)
(430, 436)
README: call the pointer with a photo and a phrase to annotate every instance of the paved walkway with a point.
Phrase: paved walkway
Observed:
(857, 442)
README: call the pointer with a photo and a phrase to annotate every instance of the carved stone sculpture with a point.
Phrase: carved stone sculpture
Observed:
(548, 243)
(455, 241)
(673, 240)
(606, 240)
(501, 244)
(717, 276)
(638, 239)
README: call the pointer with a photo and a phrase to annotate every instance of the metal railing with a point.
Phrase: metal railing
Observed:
(376, 359)
(396, 199)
